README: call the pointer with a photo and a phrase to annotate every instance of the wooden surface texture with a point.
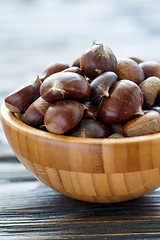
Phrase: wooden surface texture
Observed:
(31, 210)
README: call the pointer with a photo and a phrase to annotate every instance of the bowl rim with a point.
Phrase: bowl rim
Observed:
(9, 116)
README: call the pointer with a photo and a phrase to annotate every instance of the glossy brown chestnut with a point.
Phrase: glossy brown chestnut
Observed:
(65, 85)
(90, 128)
(100, 86)
(54, 68)
(63, 116)
(125, 101)
(150, 89)
(148, 123)
(20, 100)
(91, 110)
(96, 60)
(34, 115)
(73, 69)
(129, 69)
(150, 68)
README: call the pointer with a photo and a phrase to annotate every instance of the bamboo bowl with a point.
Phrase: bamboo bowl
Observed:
(93, 170)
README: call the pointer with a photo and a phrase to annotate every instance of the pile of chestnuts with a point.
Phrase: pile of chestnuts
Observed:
(99, 96)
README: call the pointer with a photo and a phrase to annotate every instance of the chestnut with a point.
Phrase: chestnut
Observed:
(62, 116)
(129, 69)
(34, 115)
(150, 89)
(54, 68)
(149, 123)
(73, 69)
(90, 128)
(20, 100)
(100, 86)
(91, 110)
(96, 60)
(150, 68)
(125, 101)
(65, 85)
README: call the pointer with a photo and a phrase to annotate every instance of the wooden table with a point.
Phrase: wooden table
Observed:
(30, 210)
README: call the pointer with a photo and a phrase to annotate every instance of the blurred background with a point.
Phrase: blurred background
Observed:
(34, 33)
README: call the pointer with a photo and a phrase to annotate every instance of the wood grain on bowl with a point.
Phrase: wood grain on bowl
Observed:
(94, 170)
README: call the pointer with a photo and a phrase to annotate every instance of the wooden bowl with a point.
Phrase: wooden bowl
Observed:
(93, 170)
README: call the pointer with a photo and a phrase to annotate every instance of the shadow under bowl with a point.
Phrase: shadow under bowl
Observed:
(87, 169)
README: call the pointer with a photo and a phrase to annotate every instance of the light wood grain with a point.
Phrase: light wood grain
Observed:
(94, 170)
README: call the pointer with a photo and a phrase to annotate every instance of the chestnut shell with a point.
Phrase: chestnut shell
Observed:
(96, 60)
(129, 69)
(20, 100)
(148, 123)
(62, 116)
(34, 115)
(73, 69)
(65, 85)
(125, 101)
(100, 86)
(150, 68)
(54, 68)
(90, 128)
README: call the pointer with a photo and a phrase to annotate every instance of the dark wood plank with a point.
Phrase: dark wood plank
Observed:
(28, 209)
